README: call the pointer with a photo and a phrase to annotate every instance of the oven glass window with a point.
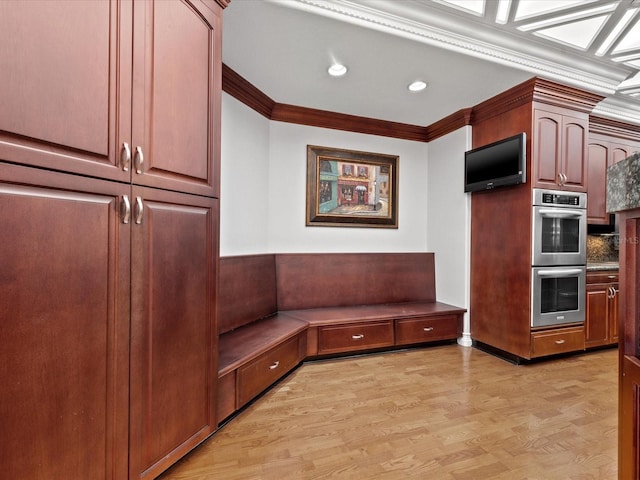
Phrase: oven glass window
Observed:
(560, 235)
(559, 294)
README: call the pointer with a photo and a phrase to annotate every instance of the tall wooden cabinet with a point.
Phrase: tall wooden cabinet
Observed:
(556, 121)
(109, 174)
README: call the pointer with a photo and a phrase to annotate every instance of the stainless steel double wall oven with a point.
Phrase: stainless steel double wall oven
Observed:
(558, 273)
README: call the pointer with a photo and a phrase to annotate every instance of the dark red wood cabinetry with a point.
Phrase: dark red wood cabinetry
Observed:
(609, 143)
(64, 329)
(173, 335)
(556, 121)
(559, 147)
(601, 321)
(109, 173)
(106, 90)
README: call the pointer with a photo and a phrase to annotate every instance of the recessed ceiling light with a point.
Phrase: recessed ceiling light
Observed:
(337, 70)
(417, 86)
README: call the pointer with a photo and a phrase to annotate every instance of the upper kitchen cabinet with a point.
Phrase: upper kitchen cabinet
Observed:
(177, 80)
(559, 149)
(102, 115)
(610, 141)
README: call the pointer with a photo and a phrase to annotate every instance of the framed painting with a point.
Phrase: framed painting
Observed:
(347, 188)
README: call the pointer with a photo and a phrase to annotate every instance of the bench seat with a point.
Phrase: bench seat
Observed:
(276, 310)
(245, 343)
(364, 313)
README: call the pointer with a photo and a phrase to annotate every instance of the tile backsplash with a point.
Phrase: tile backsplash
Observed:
(602, 248)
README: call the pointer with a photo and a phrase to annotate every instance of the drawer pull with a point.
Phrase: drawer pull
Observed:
(559, 342)
(428, 329)
(357, 337)
(274, 365)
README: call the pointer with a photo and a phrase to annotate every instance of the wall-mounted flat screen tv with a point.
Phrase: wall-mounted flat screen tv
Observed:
(498, 164)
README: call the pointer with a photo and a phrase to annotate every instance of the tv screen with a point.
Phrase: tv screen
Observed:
(495, 165)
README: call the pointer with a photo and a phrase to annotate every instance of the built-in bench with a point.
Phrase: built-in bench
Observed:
(275, 310)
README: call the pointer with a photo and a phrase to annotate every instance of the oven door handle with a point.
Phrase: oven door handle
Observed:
(561, 213)
(559, 273)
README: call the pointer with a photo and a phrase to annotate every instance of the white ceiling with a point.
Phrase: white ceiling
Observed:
(466, 50)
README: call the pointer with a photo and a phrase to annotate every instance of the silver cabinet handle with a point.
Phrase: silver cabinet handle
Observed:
(357, 337)
(274, 365)
(559, 342)
(562, 179)
(125, 157)
(125, 209)
(428, 329)
(139, 160)
(139, 210)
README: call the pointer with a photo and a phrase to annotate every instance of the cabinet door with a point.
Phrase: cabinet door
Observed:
(173, 333)
(64, 329)
(597, 162)
(547, 148)
(596, 319)
(65, 72)
(619, 152)
(176, 96)
(574, 153)
(560, 149)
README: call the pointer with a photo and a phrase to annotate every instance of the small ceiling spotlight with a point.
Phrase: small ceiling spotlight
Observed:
(337, 70)
(417, 86)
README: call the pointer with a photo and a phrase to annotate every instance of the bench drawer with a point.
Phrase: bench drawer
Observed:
(257, 375)
(561, 340)
(426, 329)
(354, 337)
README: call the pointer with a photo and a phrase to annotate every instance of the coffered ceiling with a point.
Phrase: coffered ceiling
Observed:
(466, 50)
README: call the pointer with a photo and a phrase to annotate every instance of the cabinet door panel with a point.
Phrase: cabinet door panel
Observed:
(173, 346)
(619, 152)
(176, 110)
(596, 319)
(597, 162)
(65, 326)
(547, 150)
(574, 145)
(66, 84)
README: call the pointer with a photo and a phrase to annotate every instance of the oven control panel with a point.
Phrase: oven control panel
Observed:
(559, 199)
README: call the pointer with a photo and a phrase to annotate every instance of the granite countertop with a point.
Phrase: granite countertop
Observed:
(623, 184)
(602, 266)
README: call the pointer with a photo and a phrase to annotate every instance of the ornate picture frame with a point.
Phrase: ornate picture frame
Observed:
(347, 188)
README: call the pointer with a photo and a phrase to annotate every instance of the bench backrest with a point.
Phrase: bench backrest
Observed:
(314, 280)
(247, 290)
(256, 286)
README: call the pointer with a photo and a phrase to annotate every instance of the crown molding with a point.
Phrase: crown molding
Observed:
(534, 90)
(245, 92)
(613, 128)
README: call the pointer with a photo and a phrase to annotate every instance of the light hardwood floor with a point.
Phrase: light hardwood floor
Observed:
(439, 413)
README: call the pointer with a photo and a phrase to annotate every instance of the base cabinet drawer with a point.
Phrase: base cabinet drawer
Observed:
(561, 340)
(426, 329)
(256, 376)
(354, 337)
